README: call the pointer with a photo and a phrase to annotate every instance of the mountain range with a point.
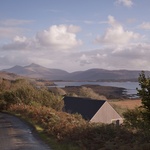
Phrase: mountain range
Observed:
(37, 71)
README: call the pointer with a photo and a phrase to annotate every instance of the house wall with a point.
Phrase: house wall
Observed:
(106, 114)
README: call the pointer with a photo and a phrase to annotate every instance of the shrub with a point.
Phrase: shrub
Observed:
(139, 118)
(22, 91)
(144, 93)
(133, 119)
(58, 124)
(73, 129)
(4, 85)
(88, 92)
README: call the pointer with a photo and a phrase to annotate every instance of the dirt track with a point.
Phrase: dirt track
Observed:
(17, 135)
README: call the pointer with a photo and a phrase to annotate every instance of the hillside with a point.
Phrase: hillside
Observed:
(104, 75)
(9, 76)
(37, 71)
(35, 81)
(95, 74)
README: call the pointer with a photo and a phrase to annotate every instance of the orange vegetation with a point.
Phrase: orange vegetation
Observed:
(129, 103)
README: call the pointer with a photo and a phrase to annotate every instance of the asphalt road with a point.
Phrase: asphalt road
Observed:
(17, 135)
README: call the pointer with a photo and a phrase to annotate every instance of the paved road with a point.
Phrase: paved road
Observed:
(16, 135)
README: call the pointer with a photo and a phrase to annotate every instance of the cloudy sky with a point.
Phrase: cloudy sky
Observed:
(75, 34)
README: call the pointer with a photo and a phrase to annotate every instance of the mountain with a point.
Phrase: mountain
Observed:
(95, 74)
(104, 75)
(37, 71)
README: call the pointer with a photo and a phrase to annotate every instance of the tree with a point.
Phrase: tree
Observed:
(144, 94)
(139, 118)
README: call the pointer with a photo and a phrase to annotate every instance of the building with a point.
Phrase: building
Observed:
(92, 110)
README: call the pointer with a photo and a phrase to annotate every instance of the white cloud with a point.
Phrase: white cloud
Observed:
(145, 25)
(9, 27)
(59, 37)
(20, 39)
(84, 59)
(122, 49)
(127, 3)
(9, 32)
(73, 29)
(88, 22)
(134, 56)
(116, 34)
(20, 43)
(14, 22)
(131, 20)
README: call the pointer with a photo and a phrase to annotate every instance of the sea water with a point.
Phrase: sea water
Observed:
(130, 87)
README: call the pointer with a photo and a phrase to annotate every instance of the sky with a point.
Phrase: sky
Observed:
(75, 35)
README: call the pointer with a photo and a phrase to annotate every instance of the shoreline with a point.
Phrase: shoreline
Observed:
(109, 92)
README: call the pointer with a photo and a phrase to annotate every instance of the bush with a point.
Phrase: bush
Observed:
(4, 85)
(144, 93)
(89, 93)
(57, 124)
(73, 129)
(133, 119)
(22, 91)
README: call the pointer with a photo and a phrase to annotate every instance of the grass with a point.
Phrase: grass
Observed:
(128, 103)
(122, 106)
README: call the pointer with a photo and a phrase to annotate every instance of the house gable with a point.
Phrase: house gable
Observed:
(92, 110)
(106, 114)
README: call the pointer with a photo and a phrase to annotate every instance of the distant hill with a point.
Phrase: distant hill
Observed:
(37, 71)
(105, 75)
(9, 76)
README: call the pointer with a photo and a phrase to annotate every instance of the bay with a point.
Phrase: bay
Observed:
(129, 86)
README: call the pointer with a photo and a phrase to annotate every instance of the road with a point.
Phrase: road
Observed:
(17, 135)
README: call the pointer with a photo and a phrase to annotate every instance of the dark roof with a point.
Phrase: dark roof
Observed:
(84, 106)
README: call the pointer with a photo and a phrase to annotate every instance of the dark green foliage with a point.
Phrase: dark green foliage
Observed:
(144, 93)
(139, 118)
(133, 118)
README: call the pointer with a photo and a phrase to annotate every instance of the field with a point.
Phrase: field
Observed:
(127, 104)
(122, 106)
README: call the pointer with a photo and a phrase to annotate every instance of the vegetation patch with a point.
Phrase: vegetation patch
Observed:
(43, 109)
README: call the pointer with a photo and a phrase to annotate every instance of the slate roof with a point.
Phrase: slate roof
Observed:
(85, 106)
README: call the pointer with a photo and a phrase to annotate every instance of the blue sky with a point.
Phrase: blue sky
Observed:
(75, 34)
